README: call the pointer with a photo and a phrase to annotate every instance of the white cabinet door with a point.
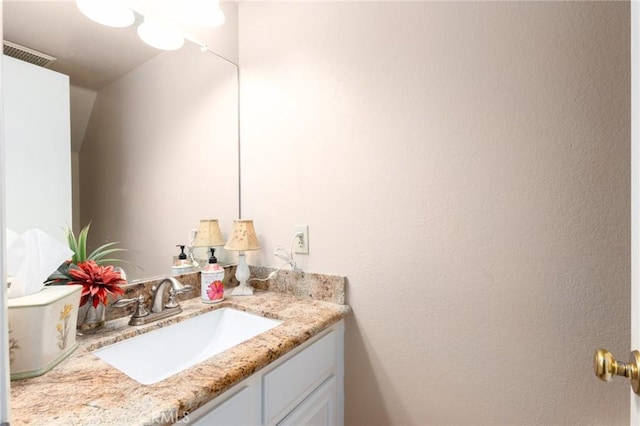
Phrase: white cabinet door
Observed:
(319, 409)
(239, 410)
(287, 385)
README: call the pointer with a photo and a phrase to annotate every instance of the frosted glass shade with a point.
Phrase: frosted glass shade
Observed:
(201, 13)
(209, 234)
(111, 13)
(160, 35)
(243, 236)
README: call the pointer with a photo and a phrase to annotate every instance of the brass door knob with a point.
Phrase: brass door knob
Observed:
(605, 366)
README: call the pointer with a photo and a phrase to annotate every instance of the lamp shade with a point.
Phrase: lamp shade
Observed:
(209, 234)
(243, 236)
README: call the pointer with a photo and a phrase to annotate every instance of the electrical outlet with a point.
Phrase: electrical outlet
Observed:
(301, 244)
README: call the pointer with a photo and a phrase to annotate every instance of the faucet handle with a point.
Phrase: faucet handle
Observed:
(141, 311)
(121, 303)
(185, 289)
(172, 303)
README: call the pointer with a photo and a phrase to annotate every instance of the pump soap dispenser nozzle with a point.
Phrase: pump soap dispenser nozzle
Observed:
(182, 265)
(182, 255)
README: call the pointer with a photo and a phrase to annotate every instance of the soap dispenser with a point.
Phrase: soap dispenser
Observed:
(212, 276)
(182, 265)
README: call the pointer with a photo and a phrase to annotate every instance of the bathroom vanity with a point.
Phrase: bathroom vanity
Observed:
(304, 387)
(290, 374)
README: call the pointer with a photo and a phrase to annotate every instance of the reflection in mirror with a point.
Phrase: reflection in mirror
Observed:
(154, 135)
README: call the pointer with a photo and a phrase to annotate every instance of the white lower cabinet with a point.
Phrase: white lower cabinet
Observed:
(319, 409)
(241, 409)
(304, 387)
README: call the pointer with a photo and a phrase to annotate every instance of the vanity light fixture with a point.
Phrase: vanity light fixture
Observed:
(112, 13)
(201, 13)
(159, 34)
(163, 22)
(243, 238)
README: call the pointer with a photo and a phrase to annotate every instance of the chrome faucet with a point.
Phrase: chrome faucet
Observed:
(158, 309)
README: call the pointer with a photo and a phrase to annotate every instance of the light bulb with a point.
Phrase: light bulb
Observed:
(107, 12)
(160, 35)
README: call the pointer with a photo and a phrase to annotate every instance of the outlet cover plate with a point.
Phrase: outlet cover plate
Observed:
(301, 246)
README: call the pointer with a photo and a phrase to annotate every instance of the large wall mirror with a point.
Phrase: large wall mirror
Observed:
(154, 134)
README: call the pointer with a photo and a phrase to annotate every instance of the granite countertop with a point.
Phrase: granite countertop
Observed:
(84, 389)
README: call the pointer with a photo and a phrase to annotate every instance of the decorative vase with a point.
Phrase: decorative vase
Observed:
(91, 319)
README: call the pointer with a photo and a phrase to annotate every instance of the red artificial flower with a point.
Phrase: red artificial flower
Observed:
(97, 282)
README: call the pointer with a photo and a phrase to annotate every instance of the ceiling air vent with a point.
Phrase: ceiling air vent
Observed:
(27, 55)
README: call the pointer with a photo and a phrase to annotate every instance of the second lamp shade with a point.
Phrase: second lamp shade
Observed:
(243, 236)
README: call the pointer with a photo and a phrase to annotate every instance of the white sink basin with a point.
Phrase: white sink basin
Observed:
(156, 355)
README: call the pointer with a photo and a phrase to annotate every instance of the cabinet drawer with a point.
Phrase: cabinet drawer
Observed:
(290, 383)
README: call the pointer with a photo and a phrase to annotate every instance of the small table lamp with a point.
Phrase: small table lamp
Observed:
(243, 238)
(209, 235)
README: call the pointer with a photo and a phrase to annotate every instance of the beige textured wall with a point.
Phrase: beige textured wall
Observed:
(160, 153)
(466, 166)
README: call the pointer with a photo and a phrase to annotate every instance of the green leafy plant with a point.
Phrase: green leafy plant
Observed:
(78, 246)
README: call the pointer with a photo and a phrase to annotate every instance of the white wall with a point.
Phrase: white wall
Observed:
(81, 104)
(466, 166)
(160, 153)
(37, 148)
